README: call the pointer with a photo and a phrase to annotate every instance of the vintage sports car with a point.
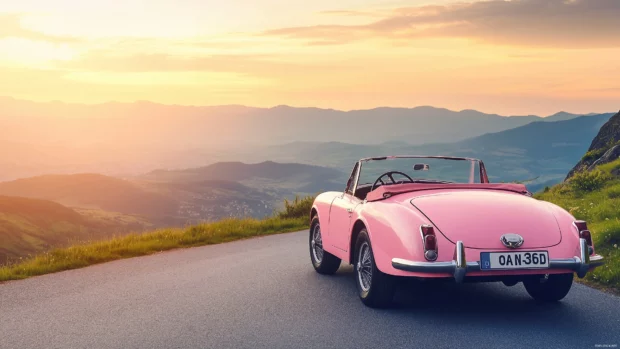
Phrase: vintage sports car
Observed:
(439, 217)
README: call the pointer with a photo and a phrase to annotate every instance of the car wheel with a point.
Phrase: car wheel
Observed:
(549, 288)
(375, 288)
(322, 261)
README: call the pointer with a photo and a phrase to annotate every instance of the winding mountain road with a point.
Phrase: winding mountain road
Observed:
(263, 293)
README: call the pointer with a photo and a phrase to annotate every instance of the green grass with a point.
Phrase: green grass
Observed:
(297, 208)
(595, 198)
(134, 245)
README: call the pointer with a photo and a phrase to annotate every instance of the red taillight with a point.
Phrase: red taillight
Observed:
(427, 230)
(581, 225)
(584, 233)
(429, 241)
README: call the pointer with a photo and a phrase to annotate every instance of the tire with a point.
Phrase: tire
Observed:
(550, 289)
(377, 289)
(322, 261)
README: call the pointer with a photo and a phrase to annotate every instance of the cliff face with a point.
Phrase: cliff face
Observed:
(604, 148)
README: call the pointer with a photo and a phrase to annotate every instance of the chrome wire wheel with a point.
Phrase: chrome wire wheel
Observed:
(364, 267)
(317, 244)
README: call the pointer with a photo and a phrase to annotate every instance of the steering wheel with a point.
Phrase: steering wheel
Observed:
(389, 175)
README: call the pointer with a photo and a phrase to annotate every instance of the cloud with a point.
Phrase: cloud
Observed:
(352, 13)
(548, 23)
(158, 62)
(258, 65)
(10, 26)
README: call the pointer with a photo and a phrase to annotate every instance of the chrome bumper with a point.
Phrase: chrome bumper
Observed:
(459, 267)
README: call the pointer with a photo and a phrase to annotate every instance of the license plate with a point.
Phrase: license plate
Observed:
(514, 260)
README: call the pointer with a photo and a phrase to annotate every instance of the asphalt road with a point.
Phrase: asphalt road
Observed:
(263, 293)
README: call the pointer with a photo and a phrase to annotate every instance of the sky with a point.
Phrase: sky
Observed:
(508, 57)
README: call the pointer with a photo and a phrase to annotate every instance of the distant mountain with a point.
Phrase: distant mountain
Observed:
(163, 204)
(238, 171)
(541, 150)
(29, 226)
(278, 179)
(545, 139)
(130, 138)
(562, 116)
(178, 197)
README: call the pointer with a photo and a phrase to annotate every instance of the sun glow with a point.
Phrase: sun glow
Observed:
(356, 55)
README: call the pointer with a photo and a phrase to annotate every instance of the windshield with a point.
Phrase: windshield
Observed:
(420, 169)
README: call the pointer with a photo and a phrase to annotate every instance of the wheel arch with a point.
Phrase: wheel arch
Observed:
(313, 213)
(355, 231)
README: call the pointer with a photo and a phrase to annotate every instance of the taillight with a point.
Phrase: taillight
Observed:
(429, 240)
(581, 225)
(584, 233)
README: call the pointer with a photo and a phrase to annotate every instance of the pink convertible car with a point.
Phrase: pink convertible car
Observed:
(439, 217)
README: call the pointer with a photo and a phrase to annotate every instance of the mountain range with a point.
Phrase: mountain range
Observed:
(123, 139)
(542, 152)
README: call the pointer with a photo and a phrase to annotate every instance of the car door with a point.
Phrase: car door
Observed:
(341, 214)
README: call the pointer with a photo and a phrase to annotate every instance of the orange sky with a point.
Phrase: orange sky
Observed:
(508, 57)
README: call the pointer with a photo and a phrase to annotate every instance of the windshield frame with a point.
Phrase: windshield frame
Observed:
(360, 164)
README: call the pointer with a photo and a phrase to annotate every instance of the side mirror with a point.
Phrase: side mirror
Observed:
(421, 167)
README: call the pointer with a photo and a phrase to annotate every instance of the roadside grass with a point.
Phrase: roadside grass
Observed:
(134, 245)
(595, 198)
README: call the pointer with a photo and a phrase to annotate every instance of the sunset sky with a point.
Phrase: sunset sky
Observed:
(508, 57)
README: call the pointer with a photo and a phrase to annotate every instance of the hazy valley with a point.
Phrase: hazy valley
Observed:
(115, 168)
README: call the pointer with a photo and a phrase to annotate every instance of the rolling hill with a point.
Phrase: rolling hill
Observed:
(91, 191)
(179, 197)
(266, 175)
(29, 226)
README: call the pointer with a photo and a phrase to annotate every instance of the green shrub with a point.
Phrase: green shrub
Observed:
(586, 181)
(298, 208)
(593, 154)
(613, 192)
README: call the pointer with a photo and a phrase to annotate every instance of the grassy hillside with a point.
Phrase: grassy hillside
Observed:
(595, 197)
(30, 226)
(295, 217)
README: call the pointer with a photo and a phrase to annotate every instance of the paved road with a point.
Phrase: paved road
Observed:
(263, 293)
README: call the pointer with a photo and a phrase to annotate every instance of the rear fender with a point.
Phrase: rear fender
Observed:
(394, 232)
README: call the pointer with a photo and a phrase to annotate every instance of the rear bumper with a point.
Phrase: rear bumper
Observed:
(459, 267)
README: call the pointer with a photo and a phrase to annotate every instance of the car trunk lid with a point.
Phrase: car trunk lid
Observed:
(480, 218)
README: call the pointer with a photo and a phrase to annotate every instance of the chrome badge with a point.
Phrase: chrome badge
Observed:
(512, 240)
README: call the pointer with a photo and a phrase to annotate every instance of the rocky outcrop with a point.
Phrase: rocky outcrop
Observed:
(609, 156)
(605, 147)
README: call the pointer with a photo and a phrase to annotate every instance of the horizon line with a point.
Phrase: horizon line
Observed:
(287, 106)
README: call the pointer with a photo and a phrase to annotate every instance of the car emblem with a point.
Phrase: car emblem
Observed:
(512, 240)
